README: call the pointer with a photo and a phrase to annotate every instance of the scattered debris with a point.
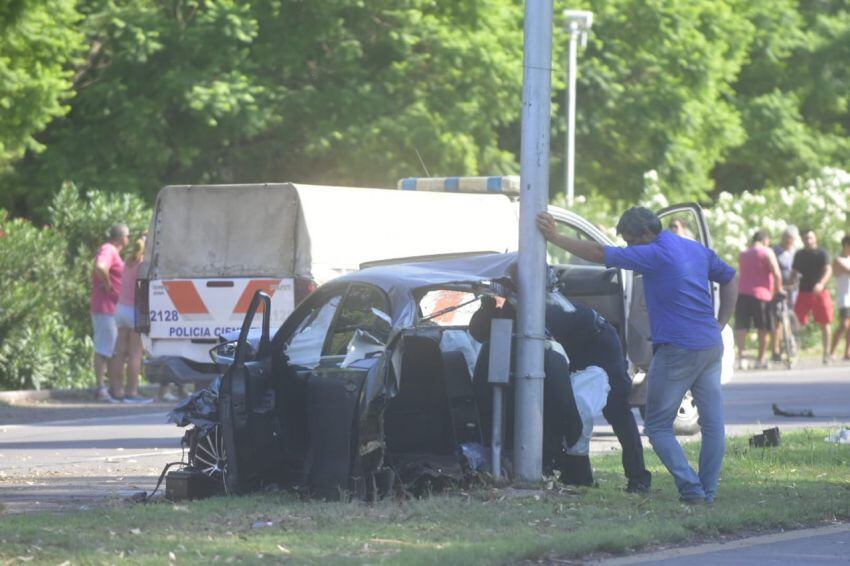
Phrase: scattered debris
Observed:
(839, 436)
(262, 524)
(792, 412)
(768, 437)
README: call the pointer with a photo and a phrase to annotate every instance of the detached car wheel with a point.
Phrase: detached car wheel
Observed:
(687, 418)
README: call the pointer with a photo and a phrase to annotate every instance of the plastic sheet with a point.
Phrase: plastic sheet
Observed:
(199, 409)
(591, 389)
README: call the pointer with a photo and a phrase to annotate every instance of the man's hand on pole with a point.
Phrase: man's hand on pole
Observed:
(585, 249)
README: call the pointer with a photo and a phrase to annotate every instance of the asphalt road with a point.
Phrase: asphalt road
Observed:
(78, 463)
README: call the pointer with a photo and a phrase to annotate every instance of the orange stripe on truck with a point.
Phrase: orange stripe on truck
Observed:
(267, 285)
(185, 297)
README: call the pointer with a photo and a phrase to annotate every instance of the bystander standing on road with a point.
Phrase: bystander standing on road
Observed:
(784, 252)
(841, 268)
(686, 337)
(128, 346)
(106, 283)
(759, 281)
(813, 268)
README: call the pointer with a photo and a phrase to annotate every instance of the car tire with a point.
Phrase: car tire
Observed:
(687, 418)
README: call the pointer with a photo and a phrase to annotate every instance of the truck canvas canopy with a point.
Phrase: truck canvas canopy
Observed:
(289, 230)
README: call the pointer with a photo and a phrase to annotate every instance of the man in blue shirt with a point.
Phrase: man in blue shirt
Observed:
(685, 335)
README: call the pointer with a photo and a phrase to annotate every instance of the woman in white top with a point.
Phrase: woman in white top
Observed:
(841, 270)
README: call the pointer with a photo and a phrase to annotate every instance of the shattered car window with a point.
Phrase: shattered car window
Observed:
(305, 346)
(358, 313)
(452, 308)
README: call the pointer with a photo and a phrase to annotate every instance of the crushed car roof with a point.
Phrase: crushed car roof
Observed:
(399, 281)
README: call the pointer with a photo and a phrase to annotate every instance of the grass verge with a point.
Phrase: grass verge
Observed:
(803, 482)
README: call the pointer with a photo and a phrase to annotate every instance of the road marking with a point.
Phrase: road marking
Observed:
(722, 546)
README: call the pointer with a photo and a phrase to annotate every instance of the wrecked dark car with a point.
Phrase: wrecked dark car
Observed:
(374, 383)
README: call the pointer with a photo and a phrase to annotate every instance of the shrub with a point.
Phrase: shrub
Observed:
(45, 278)
(34, 343)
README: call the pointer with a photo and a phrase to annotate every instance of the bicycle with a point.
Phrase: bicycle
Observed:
(790, 340)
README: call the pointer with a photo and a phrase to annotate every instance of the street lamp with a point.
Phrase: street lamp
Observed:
(577, 23)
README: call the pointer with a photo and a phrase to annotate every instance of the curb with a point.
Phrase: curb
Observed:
(62, 394)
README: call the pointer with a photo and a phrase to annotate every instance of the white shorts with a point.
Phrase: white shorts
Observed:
(125, 316)
(105, 334)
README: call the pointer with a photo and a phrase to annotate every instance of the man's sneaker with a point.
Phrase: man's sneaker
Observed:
(692, 500)
(137, 400)
(102, 395)
(776, 357)
(762, 365)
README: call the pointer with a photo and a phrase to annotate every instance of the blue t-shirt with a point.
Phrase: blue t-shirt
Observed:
(676, 273)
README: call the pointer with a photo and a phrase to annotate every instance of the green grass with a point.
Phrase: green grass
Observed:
(803, 482)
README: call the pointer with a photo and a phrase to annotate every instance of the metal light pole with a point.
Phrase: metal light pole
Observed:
(534, 195)
(578, 24)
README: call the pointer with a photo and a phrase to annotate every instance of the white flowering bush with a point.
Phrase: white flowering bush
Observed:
(822, 203)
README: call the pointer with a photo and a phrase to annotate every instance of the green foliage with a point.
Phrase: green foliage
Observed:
(654, 90)
(83, 224)
(45, 277)
(792, 95)
(324, 91)
(38, 44)
(36, 348)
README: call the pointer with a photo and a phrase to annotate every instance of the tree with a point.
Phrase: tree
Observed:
(654, 88)
(792, 95)
(38, 46)
(331, 91)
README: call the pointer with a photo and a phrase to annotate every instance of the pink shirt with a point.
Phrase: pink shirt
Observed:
(127, 296)
(101, 301)
(755, 274)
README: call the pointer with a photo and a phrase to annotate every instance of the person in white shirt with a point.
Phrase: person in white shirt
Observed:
(841, 269)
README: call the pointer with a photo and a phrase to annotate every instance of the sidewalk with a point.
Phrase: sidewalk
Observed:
(28, 407)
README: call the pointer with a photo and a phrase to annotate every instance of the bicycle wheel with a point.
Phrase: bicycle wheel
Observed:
(791, 332)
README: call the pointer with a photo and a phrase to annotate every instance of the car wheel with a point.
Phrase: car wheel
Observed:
(687, 418)
(208, 456)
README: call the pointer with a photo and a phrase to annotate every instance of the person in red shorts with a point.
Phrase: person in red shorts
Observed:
(813, 268)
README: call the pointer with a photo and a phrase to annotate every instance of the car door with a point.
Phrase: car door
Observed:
(337, 424)
(691, 221)
(247, 401)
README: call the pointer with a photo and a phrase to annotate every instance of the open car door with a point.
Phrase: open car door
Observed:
(247, 398)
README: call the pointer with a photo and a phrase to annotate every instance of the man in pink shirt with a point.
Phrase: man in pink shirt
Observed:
(106, 283)
(759, 281)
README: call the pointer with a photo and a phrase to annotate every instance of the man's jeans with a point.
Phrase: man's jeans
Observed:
(673, 371)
